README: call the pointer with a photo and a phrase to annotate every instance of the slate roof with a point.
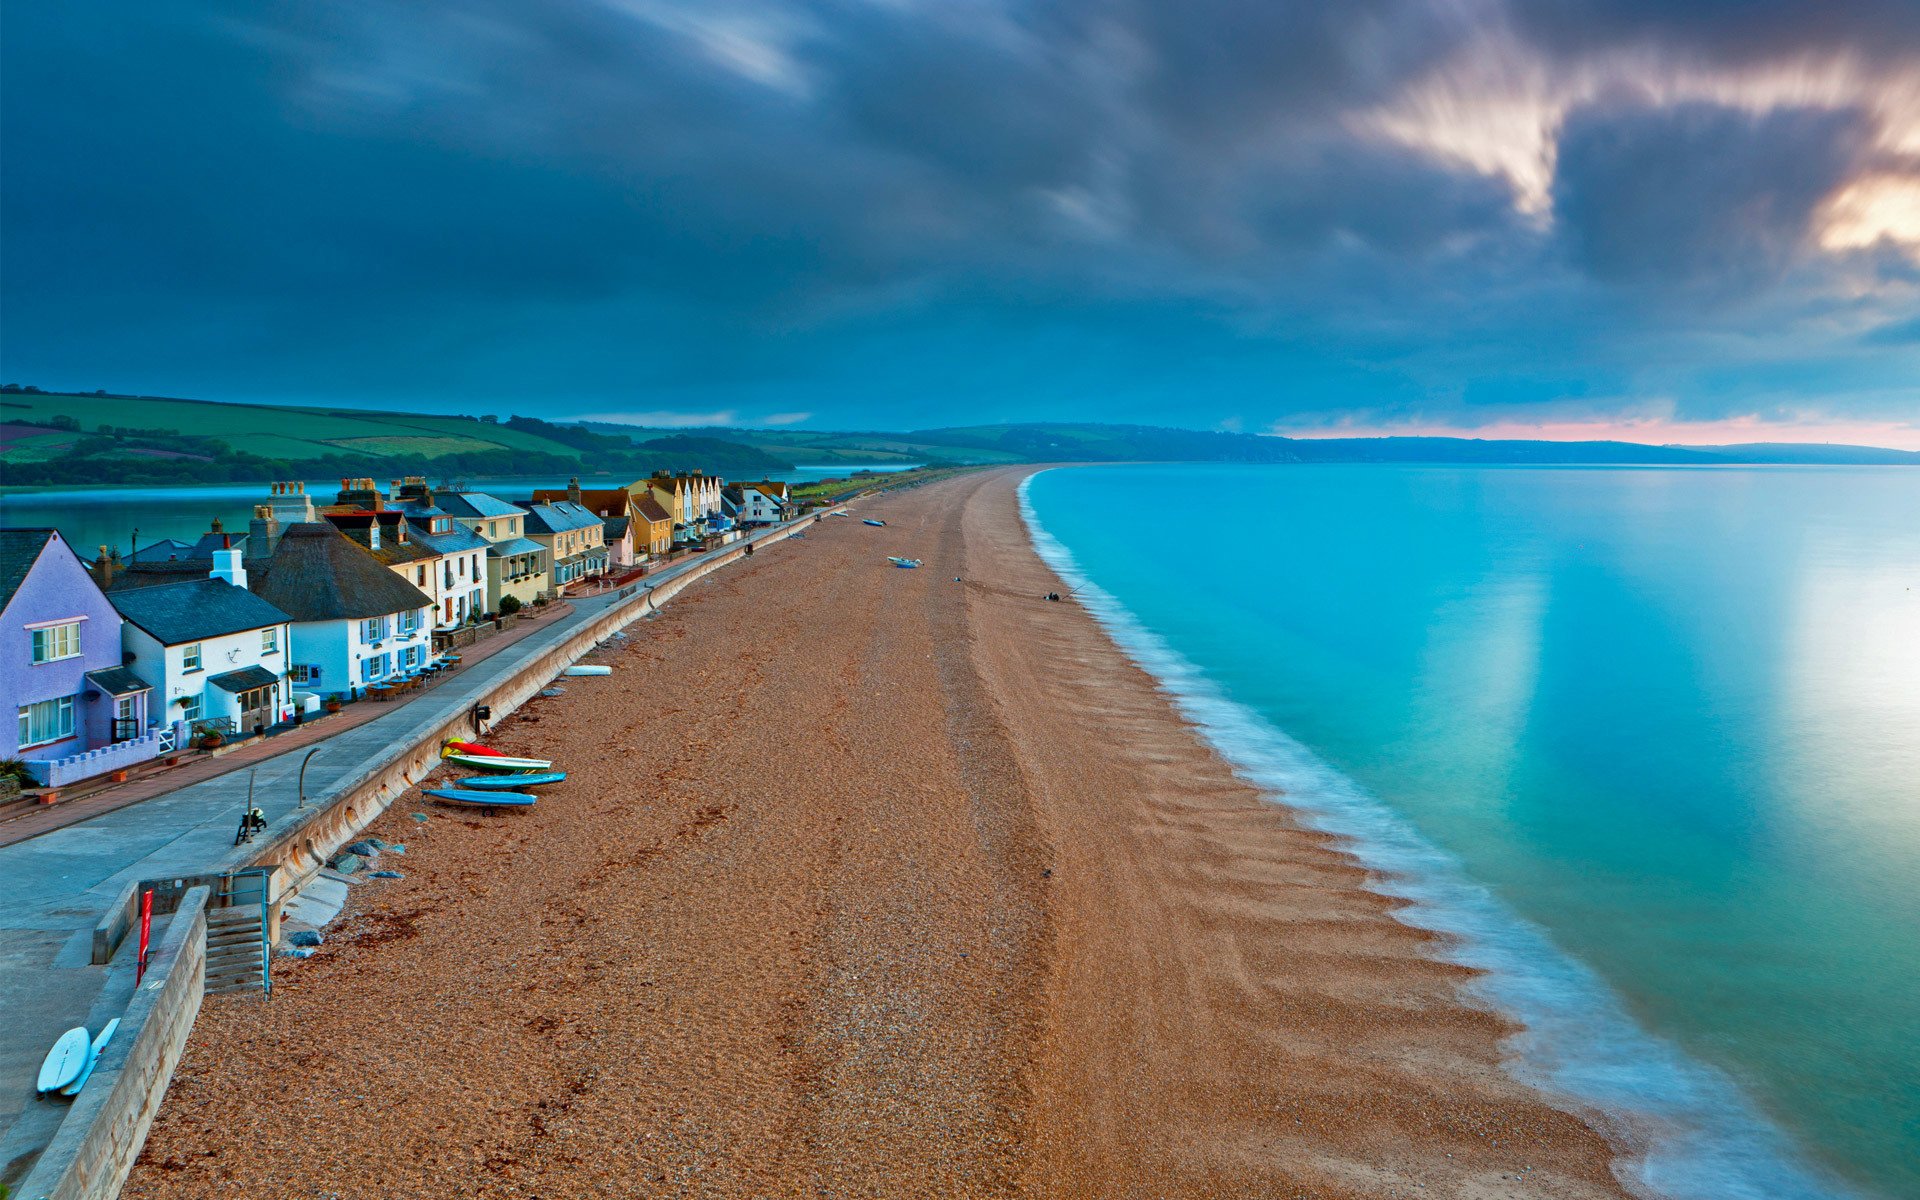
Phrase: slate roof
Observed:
(19, 550)
(474, 504)
(178, 613)
(514, 546)
(245, 679)
(616, 527)
(318, 573)
(118, 681)
(456, 540)
(163, 550)
(559, 517)
(650, 508)
(611, 501)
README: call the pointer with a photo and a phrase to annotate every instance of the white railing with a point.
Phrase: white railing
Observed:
(59, 772)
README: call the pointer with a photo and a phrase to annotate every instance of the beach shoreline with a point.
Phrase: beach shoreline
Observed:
(868, 882)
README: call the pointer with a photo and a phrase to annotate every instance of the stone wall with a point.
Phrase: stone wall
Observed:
(94, 1149)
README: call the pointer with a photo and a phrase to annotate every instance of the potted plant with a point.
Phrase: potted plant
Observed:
(332, 703)
(210, 740)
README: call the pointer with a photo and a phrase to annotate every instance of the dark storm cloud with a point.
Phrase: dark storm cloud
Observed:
(581, 200)
(1698, 194)
(1742, 30)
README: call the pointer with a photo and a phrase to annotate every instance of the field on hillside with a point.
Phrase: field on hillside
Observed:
(271, 432)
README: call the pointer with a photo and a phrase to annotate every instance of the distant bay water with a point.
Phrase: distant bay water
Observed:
(1647, 741)
(107, 516)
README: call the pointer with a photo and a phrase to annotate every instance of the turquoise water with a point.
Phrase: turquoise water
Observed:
(1648, 740)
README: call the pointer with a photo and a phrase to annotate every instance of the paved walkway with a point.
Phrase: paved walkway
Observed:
(145, 785)
(54, 887)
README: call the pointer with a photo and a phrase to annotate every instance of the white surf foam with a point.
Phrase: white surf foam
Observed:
(1690, 1132)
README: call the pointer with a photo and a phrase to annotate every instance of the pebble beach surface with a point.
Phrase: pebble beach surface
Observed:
(865, 883)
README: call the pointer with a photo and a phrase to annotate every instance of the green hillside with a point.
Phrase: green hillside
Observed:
(64, 438)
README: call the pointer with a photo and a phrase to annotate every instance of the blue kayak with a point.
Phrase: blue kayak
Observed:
(510, 782)
(482, 799)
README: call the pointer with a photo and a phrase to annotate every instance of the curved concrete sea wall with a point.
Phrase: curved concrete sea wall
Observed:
(102, 1133)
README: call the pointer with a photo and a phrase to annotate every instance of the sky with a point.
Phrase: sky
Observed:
(1696, 221)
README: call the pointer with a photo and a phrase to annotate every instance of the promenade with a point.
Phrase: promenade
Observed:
(55, 887)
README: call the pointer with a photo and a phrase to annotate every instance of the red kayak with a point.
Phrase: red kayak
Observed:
(477, 748)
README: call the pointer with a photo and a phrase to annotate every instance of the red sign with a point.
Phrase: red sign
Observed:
(146, 932)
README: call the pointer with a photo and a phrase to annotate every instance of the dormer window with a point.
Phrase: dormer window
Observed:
(373, 536)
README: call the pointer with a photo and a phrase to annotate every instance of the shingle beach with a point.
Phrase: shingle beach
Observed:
(866, 883)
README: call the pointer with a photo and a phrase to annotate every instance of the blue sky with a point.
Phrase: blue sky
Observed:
(1693, 221)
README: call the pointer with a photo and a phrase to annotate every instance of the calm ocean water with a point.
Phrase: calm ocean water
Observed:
(1647, 740)
(94, 517)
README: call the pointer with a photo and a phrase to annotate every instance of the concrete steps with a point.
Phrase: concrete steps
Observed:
(234, 961)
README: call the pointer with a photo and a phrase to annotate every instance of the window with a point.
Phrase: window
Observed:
(190, 657)
(55, 642)
(409, 623)
(193, 708)
(373, 630)
(420, 575)
(493, 529)
(47, 721)
(374, 667)
(270, 640)
(303, 673)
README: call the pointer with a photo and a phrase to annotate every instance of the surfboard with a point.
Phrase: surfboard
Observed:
(497, 764)
(494, 783)
(588, 669)
(72, 1054)
(93, 1060)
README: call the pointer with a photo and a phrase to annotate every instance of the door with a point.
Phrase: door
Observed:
(256, 709)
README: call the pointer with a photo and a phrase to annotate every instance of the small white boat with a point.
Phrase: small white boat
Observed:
(905, 563)
(498, 764)
(588, 669)
(93, 1060)
(70, 1056)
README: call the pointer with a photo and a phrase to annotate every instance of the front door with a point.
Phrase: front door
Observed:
(256, 709)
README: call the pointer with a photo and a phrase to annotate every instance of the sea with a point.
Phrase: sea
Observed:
(1644, 741)
(114, 516)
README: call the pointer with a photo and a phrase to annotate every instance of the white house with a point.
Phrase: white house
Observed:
(759, 503)
(354, 621)
(214, 653)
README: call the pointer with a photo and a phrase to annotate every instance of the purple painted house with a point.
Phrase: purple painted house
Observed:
(80, 711)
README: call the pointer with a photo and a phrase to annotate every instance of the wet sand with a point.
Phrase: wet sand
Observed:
(865, 883)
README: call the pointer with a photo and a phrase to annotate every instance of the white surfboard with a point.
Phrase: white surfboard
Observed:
(69, 1056)
(93, 1060)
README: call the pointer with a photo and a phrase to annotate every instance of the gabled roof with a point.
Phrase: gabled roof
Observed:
(19, 550)
(558, 517)
(177, 613)
(650, 508)
(163, 550)
(456, 540)
(616, 527)
(318, 573)
(245, 679)
(474, 504)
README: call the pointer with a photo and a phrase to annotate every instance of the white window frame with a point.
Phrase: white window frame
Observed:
(59, 711)
(55, 642)
(190, 656)
(270, 640)
(195, 708)
(373, 630)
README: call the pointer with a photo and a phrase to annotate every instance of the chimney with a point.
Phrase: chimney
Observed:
(227, 564)
(263, 533)
(217, 527)
(573, 489)
(103, 569)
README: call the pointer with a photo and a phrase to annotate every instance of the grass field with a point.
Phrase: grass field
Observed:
(271, 432)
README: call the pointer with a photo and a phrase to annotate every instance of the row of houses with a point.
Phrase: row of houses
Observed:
(125, 658)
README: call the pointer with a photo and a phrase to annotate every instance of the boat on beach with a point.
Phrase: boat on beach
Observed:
(474, 748)
(871, 521)
(498, 764)
(512, 782)
(477, 799)
(905, 563)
